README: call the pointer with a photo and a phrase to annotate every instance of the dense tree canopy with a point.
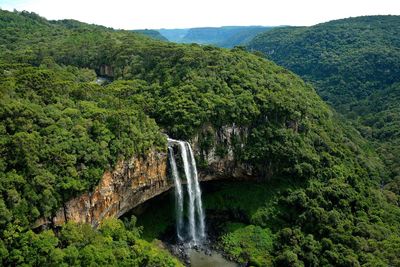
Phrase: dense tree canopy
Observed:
(60, 130)
(225, 36)
(152, 33)
(355, 65)
(347, 59)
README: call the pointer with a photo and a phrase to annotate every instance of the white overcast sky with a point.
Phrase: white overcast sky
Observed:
(154, 14)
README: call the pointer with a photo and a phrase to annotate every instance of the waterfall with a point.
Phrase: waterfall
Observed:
(199, 204)
(196, 217)
(191, 193)
(178, 194)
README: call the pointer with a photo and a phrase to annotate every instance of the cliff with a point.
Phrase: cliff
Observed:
(139, 179)
(218, 149)
(106, 70)
(131, 183)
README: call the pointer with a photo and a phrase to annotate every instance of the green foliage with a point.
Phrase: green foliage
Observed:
(226, 36)
(250, 244)
(346, 59)
(152, 34)
(339, 223)
(114, 244)
(155, 224)
(58, 138)
(253, 203)
(354, 64)
(60, 131)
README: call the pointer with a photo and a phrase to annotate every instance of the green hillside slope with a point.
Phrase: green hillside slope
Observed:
(59, 130)
(354, 65)
(226, 36)
(152, 34)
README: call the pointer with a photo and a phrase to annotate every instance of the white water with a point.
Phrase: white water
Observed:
(196, 218)
(178, 194)
(192, 223)
(199, 204)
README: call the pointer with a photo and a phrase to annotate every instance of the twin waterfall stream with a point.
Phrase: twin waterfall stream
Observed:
(195, 233)
(190, 217)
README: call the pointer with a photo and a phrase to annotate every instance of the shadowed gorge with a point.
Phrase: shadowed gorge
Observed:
(299, 185)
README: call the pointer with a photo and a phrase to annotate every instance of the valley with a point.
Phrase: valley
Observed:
(120, 148)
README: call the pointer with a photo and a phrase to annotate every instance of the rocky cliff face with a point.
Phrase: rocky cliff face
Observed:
(131, 183)
(217, 149)
(106, 70)
(139, 179)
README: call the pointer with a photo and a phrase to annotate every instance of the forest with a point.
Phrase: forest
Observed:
(319, 201)
(226, 36)
(354, 65)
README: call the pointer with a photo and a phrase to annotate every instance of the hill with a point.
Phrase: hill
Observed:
(227, 36)
(152, 34)
(60, 131)
(355, 66)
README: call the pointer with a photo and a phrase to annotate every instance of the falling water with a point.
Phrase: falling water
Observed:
(191, 193)
(178, 194)
(199, 204)
(196, 216)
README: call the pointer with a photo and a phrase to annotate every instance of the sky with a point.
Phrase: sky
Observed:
(155, 14)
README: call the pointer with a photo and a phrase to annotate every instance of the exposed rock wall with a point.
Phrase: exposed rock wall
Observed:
(131, 183)
(106, 70)
(137, 180)
(220, 158)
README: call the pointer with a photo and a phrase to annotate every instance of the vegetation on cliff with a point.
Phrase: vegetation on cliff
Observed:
(355, 65)
(60, 130)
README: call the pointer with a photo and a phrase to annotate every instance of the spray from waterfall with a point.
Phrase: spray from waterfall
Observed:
(196, 217)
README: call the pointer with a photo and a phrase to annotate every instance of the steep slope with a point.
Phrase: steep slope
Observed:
(354, 64)
(173, 35)
(152, 34)
(60, 131)
(226, 36)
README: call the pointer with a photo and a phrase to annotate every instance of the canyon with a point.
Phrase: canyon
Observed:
(135, 180)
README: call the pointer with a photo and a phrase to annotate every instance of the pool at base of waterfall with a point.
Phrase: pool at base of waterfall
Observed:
(212, 259)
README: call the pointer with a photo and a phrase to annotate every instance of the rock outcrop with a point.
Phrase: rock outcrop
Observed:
(220, 159)
(106, 70)
(131, 183)
(139, 179)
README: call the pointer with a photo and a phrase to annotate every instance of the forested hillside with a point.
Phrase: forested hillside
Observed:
(355, 66)
(152, 34)
(60, 130)
(226, 36)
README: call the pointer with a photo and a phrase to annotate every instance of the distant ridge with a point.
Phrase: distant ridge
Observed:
(226, 36)
(152, 34)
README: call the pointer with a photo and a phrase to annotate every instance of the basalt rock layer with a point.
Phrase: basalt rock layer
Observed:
(139, 179)
(131, 183)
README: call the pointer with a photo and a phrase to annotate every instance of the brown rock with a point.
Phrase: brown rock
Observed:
(139, 179)
(131, 183)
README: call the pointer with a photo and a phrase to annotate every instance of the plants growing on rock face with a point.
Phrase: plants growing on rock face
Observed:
(57, 140)
(59, 131)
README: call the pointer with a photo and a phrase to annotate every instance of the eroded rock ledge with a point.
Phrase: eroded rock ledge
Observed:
(131, 183)
(139, 179)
